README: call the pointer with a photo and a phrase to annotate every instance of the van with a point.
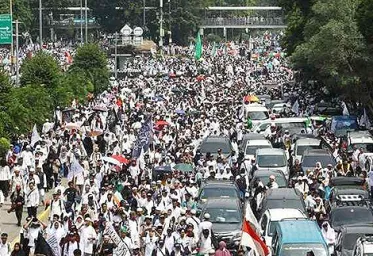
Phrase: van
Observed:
(298, 237)
(272, 159)
(256, 112)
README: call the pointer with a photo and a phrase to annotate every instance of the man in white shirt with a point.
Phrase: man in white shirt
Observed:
(5, 249)
(32, 200)
(4, 178)
(87, 238)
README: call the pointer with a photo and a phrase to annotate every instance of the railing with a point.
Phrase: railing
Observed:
(243, 21)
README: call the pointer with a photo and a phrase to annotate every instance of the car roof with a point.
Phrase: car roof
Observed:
(294, 232)
(214, 138)
(343, 181)
(349, 208)
(258, 142)
(253, 136)
(278, 214)
(307, 141)
(282, 193)
(219, 184)
(316, 152)
(270, 151)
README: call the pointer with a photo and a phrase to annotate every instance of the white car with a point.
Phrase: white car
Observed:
(302, 145)
(272, 216)
(253, 145)
(278, 108)
(363, 247)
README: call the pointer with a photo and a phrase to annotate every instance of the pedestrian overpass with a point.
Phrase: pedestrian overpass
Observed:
(249, 17)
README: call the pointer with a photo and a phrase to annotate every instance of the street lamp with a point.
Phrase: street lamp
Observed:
(86, 22)
(81, 22)
(40, 25)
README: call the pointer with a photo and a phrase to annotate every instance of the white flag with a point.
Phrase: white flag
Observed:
(35, 137)
(345, 110)
(75, 169)
(364, 120)
(295, 107)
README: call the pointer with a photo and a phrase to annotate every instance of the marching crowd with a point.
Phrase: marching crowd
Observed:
(108, 149)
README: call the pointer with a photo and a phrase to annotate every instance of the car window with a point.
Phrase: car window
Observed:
(218, 192)
(312, 160)
(271, 161)
(258, 115)
(301, 149)
(213, 147)
(272, 228)
(349, 241)
(263, 224)
(279, 180)
(250, 150)
(222, 215)
(347, 216)
(285, 203)
(303, 249)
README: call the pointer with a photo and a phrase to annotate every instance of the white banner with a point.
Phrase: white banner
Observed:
(53, 243)
(121, 248)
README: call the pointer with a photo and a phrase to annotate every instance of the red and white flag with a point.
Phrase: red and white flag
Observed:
(251, 238)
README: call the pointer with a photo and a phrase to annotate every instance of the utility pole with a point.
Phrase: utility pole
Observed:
(115, 58)
(144, 16)
(40, 25)
(161, 25)
(17, 54)
(86, 22)
(169, 23)
(81, 22)
(11, 44)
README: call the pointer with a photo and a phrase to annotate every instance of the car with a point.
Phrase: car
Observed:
(297, 238)
(256, 113)
(263, 176)
(312, 156)
(348, 236)
(282, 198)
(216, 190)
(360, 139)
(271, 217)
(295, 125)
(278, 108)
(349, 215)
(340, 126)
(226, 216)
(274, 102)
(249, 137)
(211, 144)
(272, 159)
(253, 145)
(343, 182)
(302, 144)
(364, 246)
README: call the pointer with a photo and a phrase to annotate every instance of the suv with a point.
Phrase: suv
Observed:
(218, 190)
(347, 237)
(312, 156)
(211, 144)
(226, 217)
(272, 159)
(364, 246)
(302, 145)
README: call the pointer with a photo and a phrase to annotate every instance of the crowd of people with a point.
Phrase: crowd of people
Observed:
(112, 202)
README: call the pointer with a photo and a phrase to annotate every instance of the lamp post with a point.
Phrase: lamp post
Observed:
(81, 22)
(11, 44)
(161, 25)
(144, 15)
(40, 25)
(17, 53)
(115, 57)
(86, 22)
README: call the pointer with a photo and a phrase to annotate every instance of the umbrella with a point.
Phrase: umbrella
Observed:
(72, 126)
(161, 123)
(100, 108)
(110, 160)
(251, 98)
(184, 167)
(120, 158)
(94, 133)
(180, 112)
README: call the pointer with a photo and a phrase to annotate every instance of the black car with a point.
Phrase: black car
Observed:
(282, 198)
(312, 156)
(348, 236)
(226, 216)
(350, 215)
(347, 182)
(211, 144)
(218, 190)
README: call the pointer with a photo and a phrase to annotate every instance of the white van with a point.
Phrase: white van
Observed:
(256, 112)
(272, 159)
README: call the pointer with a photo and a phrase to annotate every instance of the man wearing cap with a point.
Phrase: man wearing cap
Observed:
(206, 224)
(5, 249)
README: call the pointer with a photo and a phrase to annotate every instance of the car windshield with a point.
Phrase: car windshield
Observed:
(301, 149)
(303, 249)
(271, 161)
(349, 241)
(213, 147)
(312, 160)
(280, 180)
(348, 216)
(250, 150)
(221, 215)
(367, 147)
(218, 192)
(258, 115)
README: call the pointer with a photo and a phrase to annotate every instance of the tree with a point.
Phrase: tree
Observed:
(92, 61)
(41, 69)
(21, 11)
(4, 147)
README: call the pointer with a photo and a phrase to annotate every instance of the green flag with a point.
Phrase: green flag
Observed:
(198, 49)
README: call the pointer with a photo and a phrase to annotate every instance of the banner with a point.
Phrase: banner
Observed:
(35, 137)
(75, 169)
(143, 139)
(198, 49)
(121, 248)
(53, 243)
